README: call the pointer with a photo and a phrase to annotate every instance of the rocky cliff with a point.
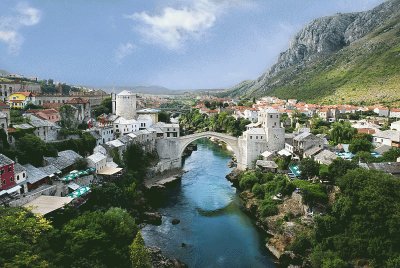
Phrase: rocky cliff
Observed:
(325, 45)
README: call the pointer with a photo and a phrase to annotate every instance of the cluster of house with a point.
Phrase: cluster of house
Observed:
(267, 138)
(26, 185)
(326, 112)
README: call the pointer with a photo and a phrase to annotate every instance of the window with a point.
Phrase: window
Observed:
(9, 168)
(17, 177)
(11, 179)
(1, 171)
(256, 137)
(4, 182)
(270, 116)
(251, 137)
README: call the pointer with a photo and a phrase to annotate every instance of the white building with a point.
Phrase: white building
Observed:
(45, 130)
(251, 114)
(124, 104)
(255, 141)
(395, 126)
(20, 177)
(165, 130)
(387, 137)
(97, 161)
(145, 121)
(124, 126)
(394, 113)
(381, 111)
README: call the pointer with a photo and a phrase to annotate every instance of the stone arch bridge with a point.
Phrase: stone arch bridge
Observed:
(170, 150)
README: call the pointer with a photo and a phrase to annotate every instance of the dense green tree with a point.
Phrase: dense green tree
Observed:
(342, 132)
(22, 235)
(391, 155)
(308, 168)
(339, 168)
(31, 149)
(140, 257)
(67, 114)
(363, 223)
(164, 117)
(364, 157)
(98, 239)
(105, 107)
(360, 145)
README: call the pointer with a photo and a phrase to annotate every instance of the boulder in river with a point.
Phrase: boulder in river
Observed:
(175, 221)
(152, 218)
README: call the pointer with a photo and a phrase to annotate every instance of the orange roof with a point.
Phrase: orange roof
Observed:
(77, 101)
(366, 130)
(25, 93)
(396, 110)
(3, 105)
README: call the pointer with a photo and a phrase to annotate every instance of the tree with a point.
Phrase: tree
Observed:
(164, 117)
(98, 239)
(67, 114)
(22, 235)
(342, 132)
(308, 168)
(31, 149)
(360, 145)
(80, 164)
(340, 167)
(391, 155)
(140, 257)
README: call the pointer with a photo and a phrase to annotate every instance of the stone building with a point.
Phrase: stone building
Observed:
(124, 104)
(269, 137)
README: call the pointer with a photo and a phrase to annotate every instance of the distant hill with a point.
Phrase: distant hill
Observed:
(351, 57)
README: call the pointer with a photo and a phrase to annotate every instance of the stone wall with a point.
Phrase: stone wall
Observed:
(43, 190)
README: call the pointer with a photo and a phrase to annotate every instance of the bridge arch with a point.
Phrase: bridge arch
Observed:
(233, 142)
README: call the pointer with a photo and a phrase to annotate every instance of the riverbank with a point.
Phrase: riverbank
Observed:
(280, 229)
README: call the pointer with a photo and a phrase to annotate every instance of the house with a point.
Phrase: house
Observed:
(382, 149)
(395, 126)
(20, 177)
(145, 121)
(387, 167)
(387, 137)
(51, 115)
(97, 161)
(394, 113)
(102, 134)
(123, 126)
(6, 173)
(82, 108)
(19, 100)
(301, 144)
(45, 130)
(381, 111)
(4, 108)
(168, 130)
(267, 166)
(325, 157)
(35, 177)
(149, 113)
(251, 114)
(64, 161)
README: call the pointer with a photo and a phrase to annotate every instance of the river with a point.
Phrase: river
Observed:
(213, 228)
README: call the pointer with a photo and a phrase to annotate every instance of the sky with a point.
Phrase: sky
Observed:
(178, 44)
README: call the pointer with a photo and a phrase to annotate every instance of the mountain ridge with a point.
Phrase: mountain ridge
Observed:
(328, 45)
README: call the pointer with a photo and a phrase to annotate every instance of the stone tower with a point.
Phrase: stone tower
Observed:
(271, 122)
(125, 104)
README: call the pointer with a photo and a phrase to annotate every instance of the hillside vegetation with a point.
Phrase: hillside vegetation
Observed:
(348, 58)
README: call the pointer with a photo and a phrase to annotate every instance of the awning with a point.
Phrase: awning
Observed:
(284, 152)
(45, 204)
(11, 190)
(109, 171)
(79, 192)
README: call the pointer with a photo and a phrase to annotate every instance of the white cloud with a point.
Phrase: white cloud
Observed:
(23, 16)
(174, 26)
(123, 51)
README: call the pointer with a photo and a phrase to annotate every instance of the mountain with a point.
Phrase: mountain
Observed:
(352, 57)
(154, 90)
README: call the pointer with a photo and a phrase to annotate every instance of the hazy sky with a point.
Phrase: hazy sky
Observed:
(179, 44)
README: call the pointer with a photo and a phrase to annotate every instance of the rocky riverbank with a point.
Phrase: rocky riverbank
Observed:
(280, 229)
